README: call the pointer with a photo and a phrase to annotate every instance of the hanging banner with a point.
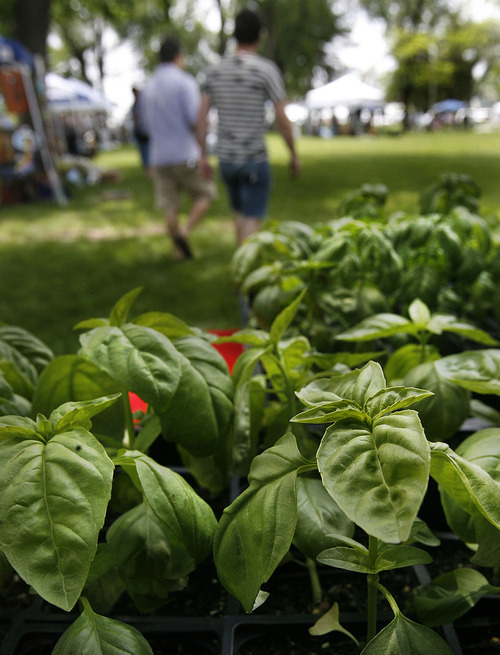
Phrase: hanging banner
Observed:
(12, 89)
(27, 169)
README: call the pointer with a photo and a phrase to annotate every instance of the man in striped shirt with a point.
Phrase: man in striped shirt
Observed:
(239, 87)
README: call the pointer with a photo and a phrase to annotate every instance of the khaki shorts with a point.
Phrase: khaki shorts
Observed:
(170, 181)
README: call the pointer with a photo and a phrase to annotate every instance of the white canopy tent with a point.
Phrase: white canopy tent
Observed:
(346, 91)
(72, 95)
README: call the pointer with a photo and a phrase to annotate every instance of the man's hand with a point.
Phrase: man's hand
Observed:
(205, 169)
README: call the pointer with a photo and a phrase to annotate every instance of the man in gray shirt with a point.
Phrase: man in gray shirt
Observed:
(169, 106)
(238, 87)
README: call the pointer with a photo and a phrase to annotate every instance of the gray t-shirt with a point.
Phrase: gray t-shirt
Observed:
(238, 88)
(169, 106)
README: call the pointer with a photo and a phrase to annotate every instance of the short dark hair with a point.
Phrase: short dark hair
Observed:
(169, 49)
(247, 26)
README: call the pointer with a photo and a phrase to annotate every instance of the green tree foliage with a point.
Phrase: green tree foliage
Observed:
(411, 24)
(437, 52)
(409, 15)
(435, 66)
(473, 51)
(297, 34)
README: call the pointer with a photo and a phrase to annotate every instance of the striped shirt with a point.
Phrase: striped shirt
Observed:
(238, 87)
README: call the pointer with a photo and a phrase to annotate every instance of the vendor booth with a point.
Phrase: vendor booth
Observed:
(27, 168)
(79, 113)
(347, 98)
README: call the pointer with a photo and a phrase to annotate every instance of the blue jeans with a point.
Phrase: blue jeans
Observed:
(248, 185)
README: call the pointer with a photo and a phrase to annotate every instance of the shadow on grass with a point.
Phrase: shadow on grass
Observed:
(49, 287)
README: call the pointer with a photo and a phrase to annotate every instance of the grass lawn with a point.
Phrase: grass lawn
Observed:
(60, 265)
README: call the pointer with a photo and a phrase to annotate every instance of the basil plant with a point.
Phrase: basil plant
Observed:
(86, 514)
(373, 464)
(416, 361)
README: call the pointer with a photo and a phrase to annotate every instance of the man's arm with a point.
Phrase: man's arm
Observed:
(285, 128)
(201, 130)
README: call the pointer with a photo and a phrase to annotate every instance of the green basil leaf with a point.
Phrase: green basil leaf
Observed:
(168, 324)
(472, 488)
(406, 358)
(358, 386)
(244, 367)
(19, 372)
(249, 403)
(481, 410)
(447, 323)
(91, 323)
(408, 637)
(78, 414)
(53, 500)
(142, 360)
(183, 513)
(13, 375)
(103, 587)
(488, 543)
(419, 313)
(462, 523)
(330, 413)
(200, 412)
(20, 427)
(282, 322)
(148, 434)
(5, 387)
(92, 633)
(477, 370)
(120, 310)
(399, 557)
(247, 336)
(329, 622)
(150, 562)
(389, 558)
(318, 515)
(15, 405)
(379, 326)
(76, 378)
(377, 476)
(448, 406)
(27, 345)
(318, 392)
(483, 450)
(328, 361)
(348, 559)
(361, 384)
(450, 596)
(255, 532)
(393, 399)
(421, 533)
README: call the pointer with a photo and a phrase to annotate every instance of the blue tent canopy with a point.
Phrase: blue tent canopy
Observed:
(447, 105)
(12, 52)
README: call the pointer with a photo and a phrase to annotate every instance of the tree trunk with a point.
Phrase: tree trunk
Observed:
(32, 18)
(222, 32)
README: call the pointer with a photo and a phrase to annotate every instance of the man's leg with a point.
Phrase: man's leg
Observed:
(198, 209)
(254, 187)
(245, 226)
(172, 221)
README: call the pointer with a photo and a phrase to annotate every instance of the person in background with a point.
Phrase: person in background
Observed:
(239, 87)
(140, 135)
(169, 106)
